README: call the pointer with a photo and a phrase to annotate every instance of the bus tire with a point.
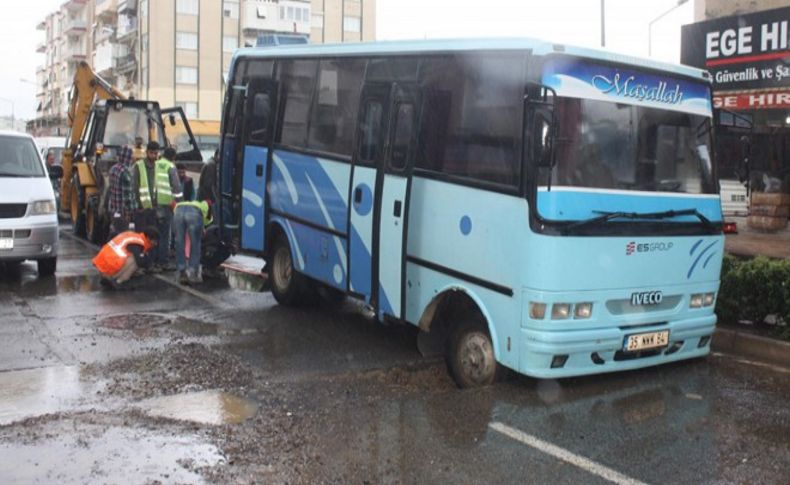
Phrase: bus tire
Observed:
(470, 355)
(287, 283)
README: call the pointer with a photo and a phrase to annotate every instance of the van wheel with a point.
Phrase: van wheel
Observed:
(470, 356)
(47, 267)
(77, 206)
(287, 283)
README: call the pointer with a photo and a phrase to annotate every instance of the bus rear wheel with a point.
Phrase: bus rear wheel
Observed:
(287, 283)
(470, 356)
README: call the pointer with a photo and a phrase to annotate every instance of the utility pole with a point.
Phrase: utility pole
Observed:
(603, 23)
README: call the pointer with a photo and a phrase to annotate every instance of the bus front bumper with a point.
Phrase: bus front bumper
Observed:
(553, 354)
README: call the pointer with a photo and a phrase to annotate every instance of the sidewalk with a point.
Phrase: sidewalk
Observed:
(749, 242)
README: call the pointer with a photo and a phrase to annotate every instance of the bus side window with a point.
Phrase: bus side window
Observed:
(401, 139)
(370, 132)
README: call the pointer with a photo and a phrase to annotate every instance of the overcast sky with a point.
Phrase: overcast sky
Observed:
(565, 21)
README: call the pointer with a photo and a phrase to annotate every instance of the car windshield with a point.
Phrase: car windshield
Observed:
(605, 145)
(19, 158)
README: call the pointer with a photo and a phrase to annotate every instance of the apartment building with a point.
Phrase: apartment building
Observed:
(177, 52)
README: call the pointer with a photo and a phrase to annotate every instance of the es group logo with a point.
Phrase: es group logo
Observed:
(633, 247)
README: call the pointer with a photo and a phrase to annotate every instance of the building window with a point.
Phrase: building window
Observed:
(186, 75)
(229, 43)
(317, 21)
(188, 7)
(295, 14)
(190, 108)
(144, 8)
(230, 9)
(186, 40)
(144, 42)
(352, 24)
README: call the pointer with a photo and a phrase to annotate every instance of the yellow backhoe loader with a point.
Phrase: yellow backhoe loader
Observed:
(101, 120)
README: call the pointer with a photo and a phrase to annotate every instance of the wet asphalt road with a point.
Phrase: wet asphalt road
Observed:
(159, 385)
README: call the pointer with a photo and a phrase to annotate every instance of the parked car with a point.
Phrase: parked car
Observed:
(28, 219)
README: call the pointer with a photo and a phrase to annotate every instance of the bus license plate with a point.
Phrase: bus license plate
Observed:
(642, 341)
(6, 243)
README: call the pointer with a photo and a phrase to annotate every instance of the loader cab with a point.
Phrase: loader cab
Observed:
(115, 123)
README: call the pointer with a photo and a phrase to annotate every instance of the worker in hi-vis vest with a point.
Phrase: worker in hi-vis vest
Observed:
(190, 220)
(119, 259)
(158, 189)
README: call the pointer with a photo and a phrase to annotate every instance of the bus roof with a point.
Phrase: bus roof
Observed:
(406, 47)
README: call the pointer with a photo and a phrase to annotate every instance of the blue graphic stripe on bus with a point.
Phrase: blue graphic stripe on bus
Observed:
(291, 191)
(696, 261)
(565, 205)
(314, 252)
(695, 246)
(252, 198)
(587, 80)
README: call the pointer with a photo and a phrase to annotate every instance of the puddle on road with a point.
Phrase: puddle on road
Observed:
(208, 407)
(35, 392)
(195, 327)
(109, 455)
(78, 284)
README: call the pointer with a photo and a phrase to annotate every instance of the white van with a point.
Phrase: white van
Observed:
(28, 221)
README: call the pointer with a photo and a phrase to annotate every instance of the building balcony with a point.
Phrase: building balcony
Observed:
(74, 54)
(127, 7)
(104, 33)
(42, 47)
(125, 64)
(75, 27)
(75, 5)
(127, 28)
(41, 25)
(106, 10)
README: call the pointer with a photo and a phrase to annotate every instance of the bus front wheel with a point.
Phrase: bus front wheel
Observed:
(287, 283)
(470, 356)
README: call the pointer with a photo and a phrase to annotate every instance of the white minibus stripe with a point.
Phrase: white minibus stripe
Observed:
(570, 188)
(564, 455)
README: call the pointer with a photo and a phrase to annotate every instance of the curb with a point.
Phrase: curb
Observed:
(769, 351)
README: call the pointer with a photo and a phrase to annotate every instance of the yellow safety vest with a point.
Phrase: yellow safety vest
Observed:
(162, 191)
(200, 204)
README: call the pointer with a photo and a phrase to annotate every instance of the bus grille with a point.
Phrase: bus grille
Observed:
(624, 307)
(12, 211)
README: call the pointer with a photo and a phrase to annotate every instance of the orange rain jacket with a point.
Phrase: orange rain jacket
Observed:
(113, 255)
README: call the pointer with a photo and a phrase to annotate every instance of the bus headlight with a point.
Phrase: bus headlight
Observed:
(537, 311)
(560, 311)
(42, 208)
(696, 300)
(583, 310)
(707, 299)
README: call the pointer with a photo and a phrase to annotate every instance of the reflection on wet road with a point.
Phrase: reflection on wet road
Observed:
(157, 384)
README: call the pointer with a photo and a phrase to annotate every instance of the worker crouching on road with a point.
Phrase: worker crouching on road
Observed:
(120, 258)
(189, 221)
(157, 188)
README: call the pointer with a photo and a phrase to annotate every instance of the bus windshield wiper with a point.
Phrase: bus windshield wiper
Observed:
(608, 216)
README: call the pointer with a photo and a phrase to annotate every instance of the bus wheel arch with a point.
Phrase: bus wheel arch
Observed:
(455, 324)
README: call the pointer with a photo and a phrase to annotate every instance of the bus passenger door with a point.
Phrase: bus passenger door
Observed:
(392, 202)
(368, 156)
(257, 131)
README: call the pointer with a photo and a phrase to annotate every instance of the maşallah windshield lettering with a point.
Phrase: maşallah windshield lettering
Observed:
(643, 92)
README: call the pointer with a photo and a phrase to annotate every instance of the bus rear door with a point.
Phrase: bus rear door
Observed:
(383, 164)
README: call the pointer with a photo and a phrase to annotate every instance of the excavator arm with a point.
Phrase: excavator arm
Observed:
(88, 87)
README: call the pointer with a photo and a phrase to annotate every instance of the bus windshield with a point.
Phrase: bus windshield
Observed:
(605, 145)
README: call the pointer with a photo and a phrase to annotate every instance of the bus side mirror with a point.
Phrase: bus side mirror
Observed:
(541, 123)
(542, 139)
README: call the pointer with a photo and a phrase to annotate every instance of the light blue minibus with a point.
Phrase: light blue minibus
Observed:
(530, 206)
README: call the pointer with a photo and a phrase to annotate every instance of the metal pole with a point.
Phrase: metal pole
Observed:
(650, 26)
(603, 23)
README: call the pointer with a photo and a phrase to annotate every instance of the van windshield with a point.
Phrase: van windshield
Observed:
(19, 158)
